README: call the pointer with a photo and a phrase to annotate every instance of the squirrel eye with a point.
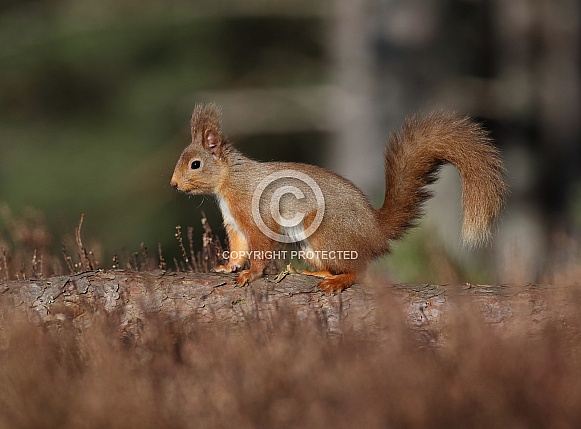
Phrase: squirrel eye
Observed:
(196, 164)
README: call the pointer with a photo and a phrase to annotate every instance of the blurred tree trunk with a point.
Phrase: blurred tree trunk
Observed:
(378, 51)
(356, 144)
(538, 66)
(513, 98)
(193, 298)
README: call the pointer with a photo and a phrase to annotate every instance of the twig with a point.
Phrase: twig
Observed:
(212, 248)
(162, 264)
(35, 273)
(115, 262)
(68, 259)
(195, 265)
(85, 262)
(145, 256)
(178, 236)
(5, 263)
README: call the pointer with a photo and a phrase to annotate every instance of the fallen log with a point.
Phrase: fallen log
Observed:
(215, 298)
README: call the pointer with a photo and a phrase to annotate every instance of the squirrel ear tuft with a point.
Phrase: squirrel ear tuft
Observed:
(206, 119)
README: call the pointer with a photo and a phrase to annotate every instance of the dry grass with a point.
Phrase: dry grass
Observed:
(291, 375)
(26, 250)
(25, 246)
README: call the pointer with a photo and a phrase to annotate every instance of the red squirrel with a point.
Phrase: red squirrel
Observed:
(334, 216)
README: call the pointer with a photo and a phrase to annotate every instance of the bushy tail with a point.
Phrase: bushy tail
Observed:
(413, 158)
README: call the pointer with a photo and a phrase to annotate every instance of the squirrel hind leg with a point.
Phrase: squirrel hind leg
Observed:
(338, 282)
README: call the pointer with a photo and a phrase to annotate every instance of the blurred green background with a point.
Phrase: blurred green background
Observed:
(95, 101)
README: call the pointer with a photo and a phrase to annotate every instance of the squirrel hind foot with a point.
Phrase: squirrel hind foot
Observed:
(323, 274)
(336, 283)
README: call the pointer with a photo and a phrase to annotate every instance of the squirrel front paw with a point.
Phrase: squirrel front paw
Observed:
(225, 268)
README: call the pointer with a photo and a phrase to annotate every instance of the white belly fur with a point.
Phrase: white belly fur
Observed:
(227, 217)
(297, 233)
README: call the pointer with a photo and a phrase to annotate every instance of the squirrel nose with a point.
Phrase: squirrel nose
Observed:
(174, 183)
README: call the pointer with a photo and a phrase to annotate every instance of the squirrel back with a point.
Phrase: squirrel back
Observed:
(260, 201)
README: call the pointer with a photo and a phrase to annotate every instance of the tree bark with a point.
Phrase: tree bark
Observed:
(194, 298)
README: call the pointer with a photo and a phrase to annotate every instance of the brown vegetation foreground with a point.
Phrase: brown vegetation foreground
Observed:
(120, 349)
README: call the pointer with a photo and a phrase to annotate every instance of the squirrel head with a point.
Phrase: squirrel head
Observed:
(202, 164)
